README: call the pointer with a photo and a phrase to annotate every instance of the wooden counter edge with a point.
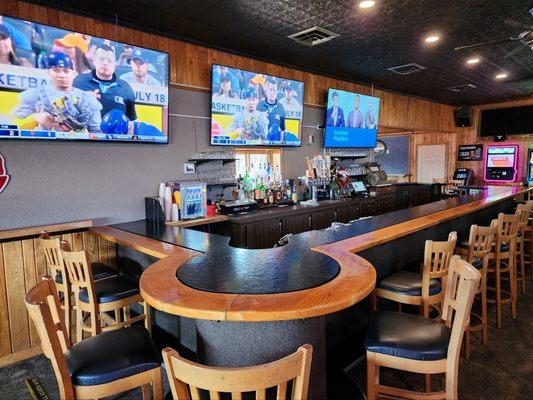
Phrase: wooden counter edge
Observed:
(36, 230)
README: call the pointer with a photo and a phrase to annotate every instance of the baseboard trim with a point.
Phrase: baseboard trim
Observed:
(19, 356)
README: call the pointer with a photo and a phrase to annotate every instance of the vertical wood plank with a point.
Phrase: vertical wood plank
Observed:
(103, 256)
(41, 268)
(77, 241)
(16, 289)
(5, 339)
(90, 243)
(28, 253)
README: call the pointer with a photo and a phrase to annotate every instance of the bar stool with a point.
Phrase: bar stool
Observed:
(503, 252)
(525, 213)
(418, 344)
(97, 367)
(185, 376)
(423, 289)
(478, 253)
(56, 267)
(98, 299)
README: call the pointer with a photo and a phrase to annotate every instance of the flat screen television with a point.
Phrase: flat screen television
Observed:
(254, 109)
(507, 121)
(351, 120)
(57, 84)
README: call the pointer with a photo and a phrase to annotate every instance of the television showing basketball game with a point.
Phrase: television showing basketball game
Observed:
(57, 84)
(254, 109)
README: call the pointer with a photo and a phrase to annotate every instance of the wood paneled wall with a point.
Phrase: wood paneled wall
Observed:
(190, 67)
(469, 135)
(22, 264)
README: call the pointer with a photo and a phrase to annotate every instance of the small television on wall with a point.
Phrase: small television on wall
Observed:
(351, 120)
(60, 84)
(507, 121)
(254, 109)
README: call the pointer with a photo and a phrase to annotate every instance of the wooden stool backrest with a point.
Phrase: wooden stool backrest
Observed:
(42, 303)
(507, 229)
(525, 213)
(481, 240)
(52, 253)
(185, 375)
(78, 266)
(437, 257)
(462, 283)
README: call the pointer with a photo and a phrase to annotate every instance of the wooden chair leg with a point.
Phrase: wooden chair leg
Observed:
(79, 323)
(148, 320)
(485, 332)
(498, 294)
(467, 343)
(371, 377)
(523, 266)
(158, 384)
(428, 383)
(374, 301)
(512, 278)
(146, 392)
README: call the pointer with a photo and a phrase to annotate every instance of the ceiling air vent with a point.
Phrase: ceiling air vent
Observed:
(407, 69)
(313, 36)
(461, 88)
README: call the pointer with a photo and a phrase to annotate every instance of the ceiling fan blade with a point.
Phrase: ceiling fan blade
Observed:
(472, 46)
(513, 52)
(515, 24)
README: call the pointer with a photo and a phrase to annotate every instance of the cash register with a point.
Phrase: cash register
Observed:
(358, 189)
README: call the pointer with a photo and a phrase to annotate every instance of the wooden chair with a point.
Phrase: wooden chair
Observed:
(423, 289)
(56, 268)
(478, 253)
(96, 299)
(522, 237)
(97, 367)
(503, 253)
(188, 377)
(417, 344)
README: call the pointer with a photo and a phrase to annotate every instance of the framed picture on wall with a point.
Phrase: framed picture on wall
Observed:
(470, 152)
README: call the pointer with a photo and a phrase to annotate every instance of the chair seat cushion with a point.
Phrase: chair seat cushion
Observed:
(464, 244)
(111, 356)
(407, 336)
(100, 271)
(476, 261)
(519, 234)
(112, 289)
(408, 283)
(504, 248)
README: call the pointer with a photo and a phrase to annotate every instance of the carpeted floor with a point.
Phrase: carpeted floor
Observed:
(501, 371)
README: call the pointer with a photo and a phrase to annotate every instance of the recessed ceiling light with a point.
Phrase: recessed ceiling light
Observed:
(432, 39)
(502, 75)
(367, 4)
(472, 61)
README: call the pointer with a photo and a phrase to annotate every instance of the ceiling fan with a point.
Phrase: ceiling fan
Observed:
(525, 37)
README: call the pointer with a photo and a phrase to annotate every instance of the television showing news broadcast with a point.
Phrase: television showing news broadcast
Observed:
(351, 120)
(253, 109)
(57, 84)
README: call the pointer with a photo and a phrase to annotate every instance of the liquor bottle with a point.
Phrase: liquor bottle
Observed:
(263, 190)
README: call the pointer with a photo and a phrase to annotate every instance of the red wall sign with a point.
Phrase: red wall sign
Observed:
(4, 177)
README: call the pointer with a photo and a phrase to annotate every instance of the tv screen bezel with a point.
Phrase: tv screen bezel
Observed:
(253, 145)
(480, 128)
(325, 120)
(136, 142)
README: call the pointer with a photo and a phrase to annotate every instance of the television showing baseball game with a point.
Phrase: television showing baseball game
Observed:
(351, 120)
(56, 84)
(254, 109)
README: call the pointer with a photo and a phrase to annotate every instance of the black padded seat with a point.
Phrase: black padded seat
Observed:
(408, 283)
(100, 271)
(111, 356)
(504, 248)
(407, 336)
(465, 244)
(112, 289)
(519, 234)
(477, 262)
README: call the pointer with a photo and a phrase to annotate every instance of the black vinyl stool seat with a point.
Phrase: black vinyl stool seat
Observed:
(408, 283)
(463, 244)
(112, 289)
(111, 356)
(407, 336)
(99, 270)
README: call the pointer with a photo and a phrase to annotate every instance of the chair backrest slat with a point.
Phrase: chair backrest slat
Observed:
(42, 303)
(480, 241)
(185, 375)
(463, 281)
(52, 253)
(437, 256)
(508, 227)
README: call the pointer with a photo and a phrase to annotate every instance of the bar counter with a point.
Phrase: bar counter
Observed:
(255, 305)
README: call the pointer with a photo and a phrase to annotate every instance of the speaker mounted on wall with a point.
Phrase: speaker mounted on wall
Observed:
(463, 117)
(500, 138)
